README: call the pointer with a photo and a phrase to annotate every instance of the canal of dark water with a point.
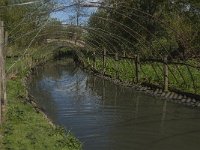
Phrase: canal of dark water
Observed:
(105, 116)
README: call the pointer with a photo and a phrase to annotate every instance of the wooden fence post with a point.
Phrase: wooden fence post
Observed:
(104, 61)
(137, 68)
(124, 53)
(1, 66)
(4, 69)
(117, 65)
(166, 75)
(5, 43)
(94, 60)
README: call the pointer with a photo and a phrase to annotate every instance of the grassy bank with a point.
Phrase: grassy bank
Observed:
(24, 127)
(179, 75)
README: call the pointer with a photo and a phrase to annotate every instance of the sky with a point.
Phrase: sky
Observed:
(67, 16)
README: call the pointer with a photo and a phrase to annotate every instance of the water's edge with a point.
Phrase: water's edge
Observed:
(174, 96)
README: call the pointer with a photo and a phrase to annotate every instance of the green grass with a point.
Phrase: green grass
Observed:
(25, 128)
(179, 76)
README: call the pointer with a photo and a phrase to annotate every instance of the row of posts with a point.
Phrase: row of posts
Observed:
(137, 68)
(3, 43)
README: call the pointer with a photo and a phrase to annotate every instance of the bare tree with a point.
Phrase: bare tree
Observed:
(79, 12)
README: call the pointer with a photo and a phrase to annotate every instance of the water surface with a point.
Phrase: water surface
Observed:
(105, 116)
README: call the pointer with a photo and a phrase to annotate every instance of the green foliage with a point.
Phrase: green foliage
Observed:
(23, 23)
(151, 28)
(163, 46)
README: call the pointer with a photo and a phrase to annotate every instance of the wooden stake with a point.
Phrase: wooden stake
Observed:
(116, 65)
(4, 70)
(104, 61)
(1, 66)
(124, 53)
(137, 68)
(166, 75)
(5, 44)
(94, 60)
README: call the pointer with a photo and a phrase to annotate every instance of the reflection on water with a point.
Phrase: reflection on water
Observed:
(105, 116)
